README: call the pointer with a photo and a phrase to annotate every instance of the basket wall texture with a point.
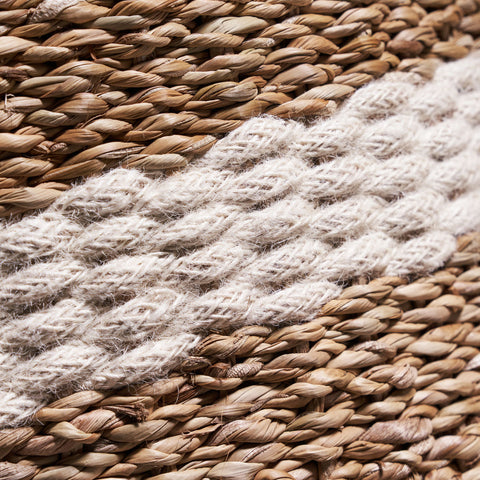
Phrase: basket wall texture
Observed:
(113, 282)
(271, 275)
(149, 84)
(119, 281)
(383, 384)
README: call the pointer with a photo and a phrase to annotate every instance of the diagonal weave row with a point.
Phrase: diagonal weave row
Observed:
(383, 384)
(148, 83)
(111, 284)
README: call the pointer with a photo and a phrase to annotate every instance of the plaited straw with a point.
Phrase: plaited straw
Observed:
(119, 278)
(148, 83)
(383, 384)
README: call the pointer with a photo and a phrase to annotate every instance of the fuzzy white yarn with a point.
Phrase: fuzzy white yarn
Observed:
(117, 280)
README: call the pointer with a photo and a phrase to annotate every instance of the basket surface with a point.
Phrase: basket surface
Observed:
(124, 274)
(383, 384)
(148, 84)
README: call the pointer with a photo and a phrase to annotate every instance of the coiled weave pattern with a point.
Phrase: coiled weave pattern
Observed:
(384, 384)
(150, 83)
(112, 283)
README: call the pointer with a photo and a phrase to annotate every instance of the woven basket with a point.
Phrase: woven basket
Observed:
(148, 84)
(382, 385)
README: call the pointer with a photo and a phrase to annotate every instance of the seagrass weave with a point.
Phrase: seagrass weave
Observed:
(384, 384)
(148, 84)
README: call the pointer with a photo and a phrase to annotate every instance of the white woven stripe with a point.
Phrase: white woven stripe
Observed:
(265, 228)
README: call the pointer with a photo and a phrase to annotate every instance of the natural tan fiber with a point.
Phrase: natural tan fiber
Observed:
(148, 84)
(382, 385)
(124, 274)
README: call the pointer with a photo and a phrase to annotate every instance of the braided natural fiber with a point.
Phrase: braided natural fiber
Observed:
(383, 384)
(149, 83)
(119, 277)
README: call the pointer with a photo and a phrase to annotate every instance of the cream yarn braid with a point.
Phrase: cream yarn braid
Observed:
(120, 277)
